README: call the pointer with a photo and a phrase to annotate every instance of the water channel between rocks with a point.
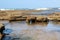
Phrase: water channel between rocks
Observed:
(38, 31)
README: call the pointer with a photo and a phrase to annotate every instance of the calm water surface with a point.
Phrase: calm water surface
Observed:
(38, 31)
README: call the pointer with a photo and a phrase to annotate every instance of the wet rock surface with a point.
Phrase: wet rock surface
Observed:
(2, 28)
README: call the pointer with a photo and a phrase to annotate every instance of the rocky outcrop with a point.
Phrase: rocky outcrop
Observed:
(18, 18)
(7, 14)
(55, 16)
(41, 19)
(19, 15)
(36, 19)
(30, 19)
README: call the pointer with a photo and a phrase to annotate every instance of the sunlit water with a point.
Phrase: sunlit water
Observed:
(38, 31)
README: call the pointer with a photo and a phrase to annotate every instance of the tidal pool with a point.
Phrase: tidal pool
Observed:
(18, 30)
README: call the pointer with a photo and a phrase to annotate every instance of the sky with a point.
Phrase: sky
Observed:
(31, 4)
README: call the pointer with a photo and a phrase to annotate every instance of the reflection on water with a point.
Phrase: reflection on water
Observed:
(56, 23)
(39, 23)
(37, 31)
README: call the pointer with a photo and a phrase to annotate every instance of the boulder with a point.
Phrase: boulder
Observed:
(41, 19)
(2, 27)
(30, 19)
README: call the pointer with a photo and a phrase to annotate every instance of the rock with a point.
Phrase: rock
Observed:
(1, 36)
(41, 19)
(2, 28)
(31, 19)
(54, 16)
(18, 18)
